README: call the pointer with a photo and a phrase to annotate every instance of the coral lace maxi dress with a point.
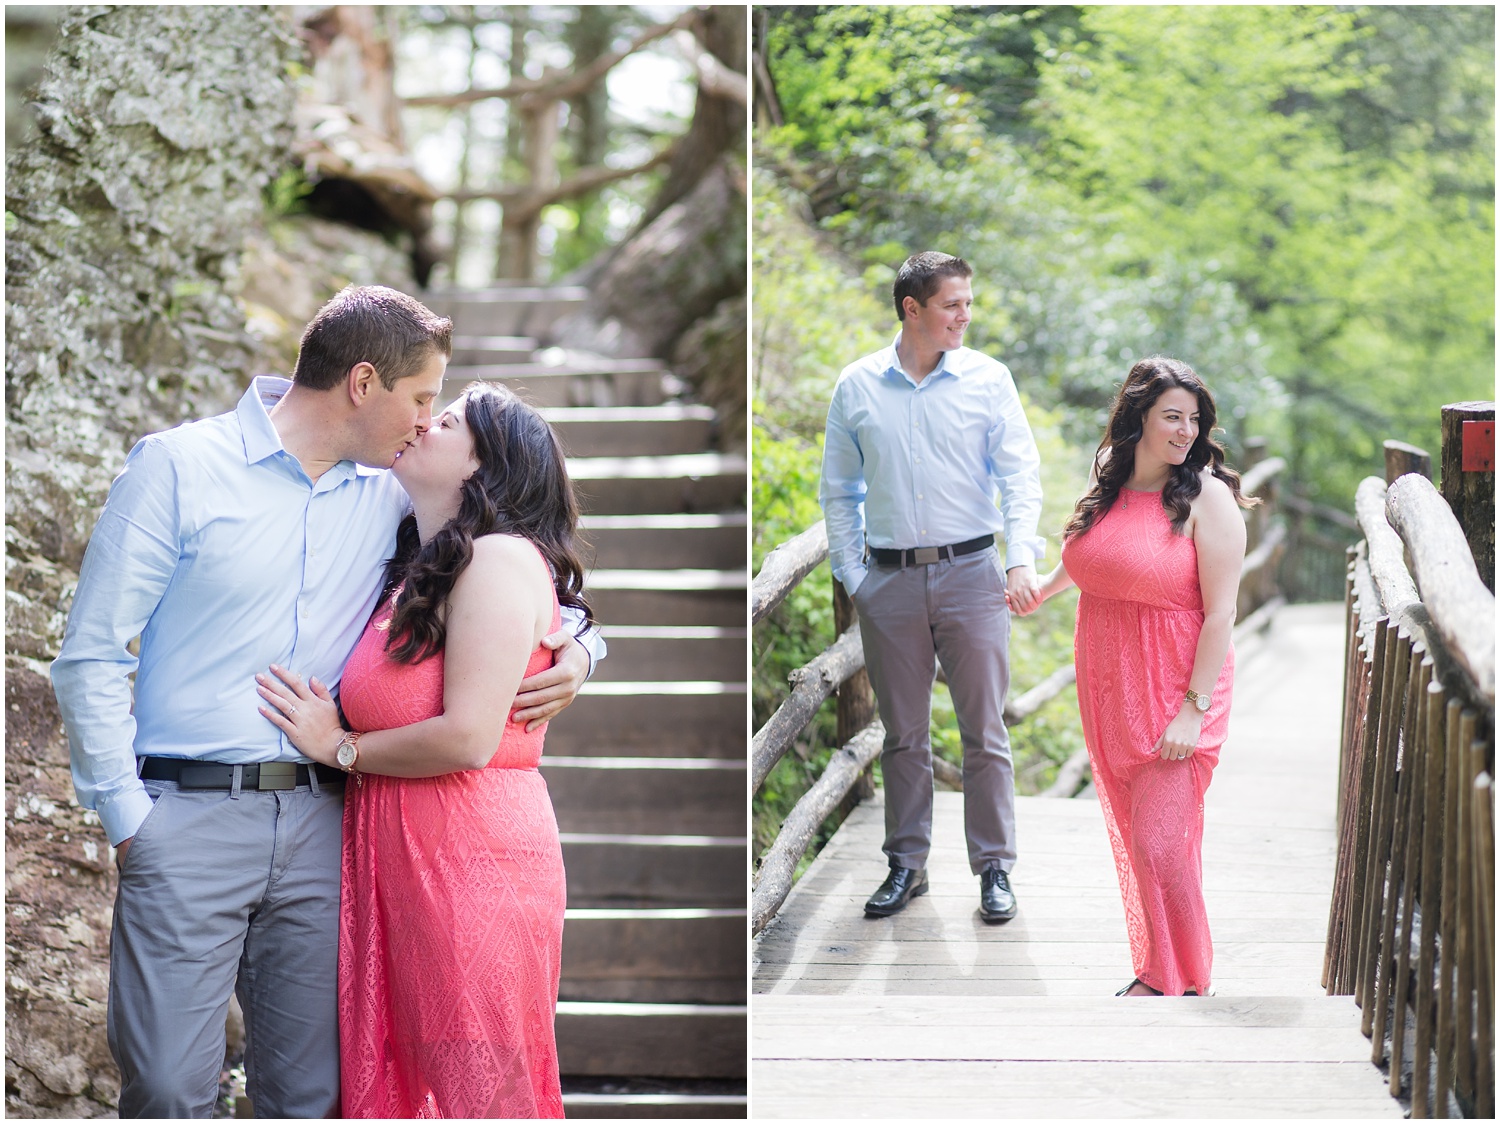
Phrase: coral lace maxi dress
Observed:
(1139, 615)
(450, 934)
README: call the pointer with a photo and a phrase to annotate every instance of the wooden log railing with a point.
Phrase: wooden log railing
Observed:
(839, 668)
(1411, 922)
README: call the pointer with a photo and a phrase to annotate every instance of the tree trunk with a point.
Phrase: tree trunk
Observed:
(125, 218)
(508, 248)
(718, 125)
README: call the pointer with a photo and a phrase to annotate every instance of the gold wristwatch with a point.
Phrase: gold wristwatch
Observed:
(1200, 701)
(348, 755)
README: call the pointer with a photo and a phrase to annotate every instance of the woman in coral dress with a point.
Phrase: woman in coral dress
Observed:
(1155, 548)
(450, 939)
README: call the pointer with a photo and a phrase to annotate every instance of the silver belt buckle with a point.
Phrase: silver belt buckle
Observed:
(925, 556)
(275, 775)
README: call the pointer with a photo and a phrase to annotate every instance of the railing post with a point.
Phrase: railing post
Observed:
(856, 699)
(1401, 458)
(1468, 463)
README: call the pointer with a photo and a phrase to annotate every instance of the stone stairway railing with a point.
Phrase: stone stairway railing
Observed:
(647, 767)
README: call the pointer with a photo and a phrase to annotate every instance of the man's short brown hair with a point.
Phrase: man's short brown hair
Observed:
(921, 275)
(394, 333)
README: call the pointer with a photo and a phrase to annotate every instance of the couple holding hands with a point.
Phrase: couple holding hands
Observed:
(920, 436)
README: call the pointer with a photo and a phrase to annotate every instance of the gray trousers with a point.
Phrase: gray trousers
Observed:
(226, 893)
(954, 611)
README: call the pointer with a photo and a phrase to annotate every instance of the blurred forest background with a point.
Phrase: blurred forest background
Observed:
(1297, 201)
(186, 185)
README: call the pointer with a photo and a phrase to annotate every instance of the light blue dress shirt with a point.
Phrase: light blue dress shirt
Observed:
(223, 556)
(909, 464)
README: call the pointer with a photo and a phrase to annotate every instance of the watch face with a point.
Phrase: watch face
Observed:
(346, 755)
(1202, 703)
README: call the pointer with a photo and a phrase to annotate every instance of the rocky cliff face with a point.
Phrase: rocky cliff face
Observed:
(136, 250)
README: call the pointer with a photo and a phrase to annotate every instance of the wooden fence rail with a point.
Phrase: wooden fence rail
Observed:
(1410, 927)
(842, 662)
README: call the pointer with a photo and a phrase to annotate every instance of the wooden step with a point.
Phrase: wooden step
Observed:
(671, 955)
(710, 541)
(507, 310)
(683, 719)
(666, 652)
(603, 383)
(471, 351)
(606, 870)
(638, 485)
(624, 431)
(651, 1039)
(669, 597)
(655, 1106)
(639, 795)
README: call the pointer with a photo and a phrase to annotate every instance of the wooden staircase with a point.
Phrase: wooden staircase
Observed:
(647, 767)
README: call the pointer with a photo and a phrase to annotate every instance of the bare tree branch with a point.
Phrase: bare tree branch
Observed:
(526, 201)
(559, 85)
(714, 78)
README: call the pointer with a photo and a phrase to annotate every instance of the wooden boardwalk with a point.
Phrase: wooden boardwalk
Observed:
(933, 1013)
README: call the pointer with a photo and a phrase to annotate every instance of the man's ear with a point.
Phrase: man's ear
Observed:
(911, 306)
(361, 382)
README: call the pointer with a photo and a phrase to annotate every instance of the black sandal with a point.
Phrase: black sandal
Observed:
(1126, 989)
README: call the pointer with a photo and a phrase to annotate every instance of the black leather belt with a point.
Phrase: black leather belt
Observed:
(928, 555)
(267, 777)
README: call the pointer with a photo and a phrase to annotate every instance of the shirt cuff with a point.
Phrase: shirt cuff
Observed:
(1022, 554)
(855, 577)
(122, 817)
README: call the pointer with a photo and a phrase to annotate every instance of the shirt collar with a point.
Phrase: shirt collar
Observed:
(944, 366)
(254, 413)
(262, 440)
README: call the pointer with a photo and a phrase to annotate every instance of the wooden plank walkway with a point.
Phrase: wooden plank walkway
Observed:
(933, 1013)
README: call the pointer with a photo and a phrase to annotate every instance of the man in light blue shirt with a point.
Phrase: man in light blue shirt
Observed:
(256, 537)
(920, 437)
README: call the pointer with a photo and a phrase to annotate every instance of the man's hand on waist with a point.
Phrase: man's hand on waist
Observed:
(120, 848)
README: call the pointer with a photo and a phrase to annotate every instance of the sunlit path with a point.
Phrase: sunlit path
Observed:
(934, 1013)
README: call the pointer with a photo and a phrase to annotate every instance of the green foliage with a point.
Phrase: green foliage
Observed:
(1297, 200)
(811, 318)
(287, 193)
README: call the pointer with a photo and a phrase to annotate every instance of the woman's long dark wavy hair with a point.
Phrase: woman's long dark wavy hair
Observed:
(1149, 380)
(521, 487)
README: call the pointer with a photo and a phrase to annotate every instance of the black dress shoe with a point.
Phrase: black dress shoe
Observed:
(997, 902)
(899, 887)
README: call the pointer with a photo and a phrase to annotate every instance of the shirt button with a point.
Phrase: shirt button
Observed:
(920, 496)
(924, 533)
(304, 611)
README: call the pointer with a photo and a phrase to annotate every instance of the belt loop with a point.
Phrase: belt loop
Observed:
(312, 779)
(140, 765)
(236, 778)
